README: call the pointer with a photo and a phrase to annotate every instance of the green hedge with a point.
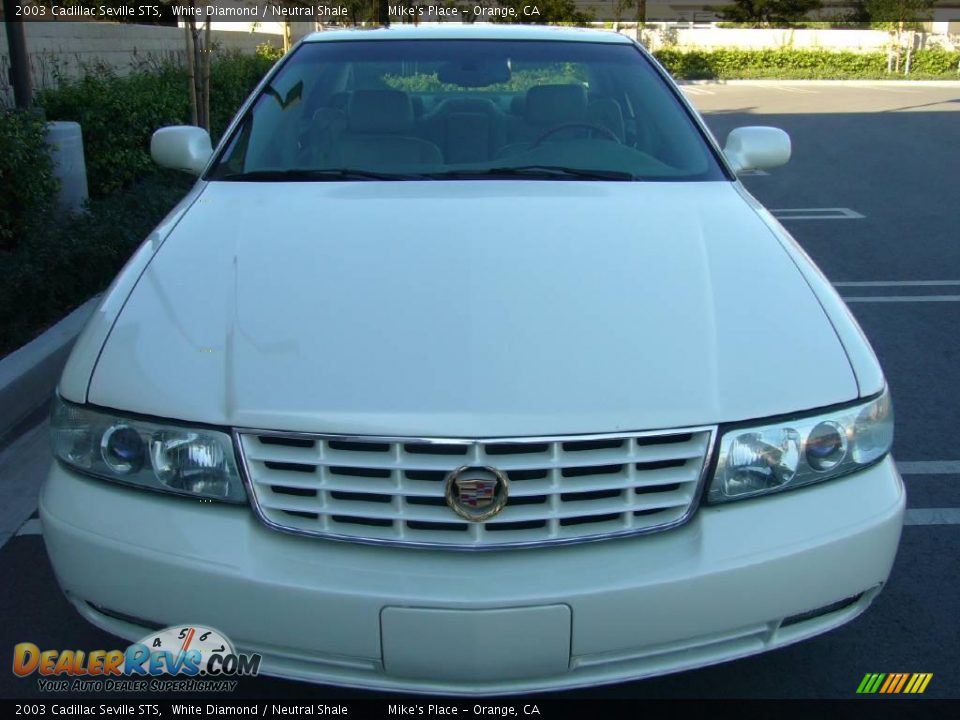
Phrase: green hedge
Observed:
(48, 266)
(119, 114)
(51, 264)
(27, 185)
(232, 79)
(791, 63)
(59, 263)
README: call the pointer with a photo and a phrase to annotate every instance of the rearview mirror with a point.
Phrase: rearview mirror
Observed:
(757, 148)
(181, 147)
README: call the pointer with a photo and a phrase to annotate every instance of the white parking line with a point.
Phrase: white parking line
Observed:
(895, 89)
(30, 527)
(795, 89)
(932, 516)
(817, 214)
(693, 90)
(903, 298)
(929, 467)
(897, 283)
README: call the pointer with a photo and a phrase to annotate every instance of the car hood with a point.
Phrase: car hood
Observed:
(471, 309)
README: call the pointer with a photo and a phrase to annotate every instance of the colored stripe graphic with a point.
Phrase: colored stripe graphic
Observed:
(894, 683)
(870, 683)
(918, 683)
(891, 683)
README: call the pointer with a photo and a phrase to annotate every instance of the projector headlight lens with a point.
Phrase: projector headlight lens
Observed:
(186, 461)
(826, 446)
(771, 458)
(122, 449)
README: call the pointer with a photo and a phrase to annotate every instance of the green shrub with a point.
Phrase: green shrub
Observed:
(27, 184)
(49, 265)
(118, 114)
(807, 64)
(58, 264)
(270, 53)
(520, 80)
(232, 78)
(936, 61)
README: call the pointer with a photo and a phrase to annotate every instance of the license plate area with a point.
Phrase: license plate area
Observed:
(476, 645)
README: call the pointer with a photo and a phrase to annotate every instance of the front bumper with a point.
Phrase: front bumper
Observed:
(445, 621)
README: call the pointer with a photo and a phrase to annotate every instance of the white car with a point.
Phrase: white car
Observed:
(468, 366)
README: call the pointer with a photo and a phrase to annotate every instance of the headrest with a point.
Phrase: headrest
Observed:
(553, 104)
(607, 112)
(464, 105)
(339, 100)
(417, 103)
(379, 111)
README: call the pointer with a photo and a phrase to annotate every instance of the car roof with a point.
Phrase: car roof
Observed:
(478, 31)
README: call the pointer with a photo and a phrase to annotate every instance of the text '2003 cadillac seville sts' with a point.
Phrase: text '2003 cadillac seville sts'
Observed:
(469, 366)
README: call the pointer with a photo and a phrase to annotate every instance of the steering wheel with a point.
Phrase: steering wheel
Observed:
(610, 135)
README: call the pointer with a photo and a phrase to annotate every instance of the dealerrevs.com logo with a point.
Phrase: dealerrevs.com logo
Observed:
(184, 658)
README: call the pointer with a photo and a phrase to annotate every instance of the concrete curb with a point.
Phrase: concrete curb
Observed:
(950, 84)
(29, 375)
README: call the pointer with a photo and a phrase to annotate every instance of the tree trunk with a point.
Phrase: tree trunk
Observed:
(207, 53)
(191, 68)
(641, 19)
(911, 42)
(19, 59)
(899, 42)
(198, 71)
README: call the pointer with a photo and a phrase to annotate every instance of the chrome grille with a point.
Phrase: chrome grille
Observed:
(391, 490)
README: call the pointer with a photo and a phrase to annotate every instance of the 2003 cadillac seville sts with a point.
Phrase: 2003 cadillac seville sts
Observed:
(469, 366)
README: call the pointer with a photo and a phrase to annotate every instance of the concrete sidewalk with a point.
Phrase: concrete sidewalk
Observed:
(29, 375)
(23, 465)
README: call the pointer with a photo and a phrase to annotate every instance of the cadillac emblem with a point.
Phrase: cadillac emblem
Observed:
(477, 493)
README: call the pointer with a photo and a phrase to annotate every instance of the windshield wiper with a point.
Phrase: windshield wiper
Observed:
(554, 172)
(307, 175)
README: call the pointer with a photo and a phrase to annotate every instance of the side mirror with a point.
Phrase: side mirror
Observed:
(757, 148)
(181, 147)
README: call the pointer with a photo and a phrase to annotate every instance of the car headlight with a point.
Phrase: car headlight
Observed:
(187, 461)
(770, 458)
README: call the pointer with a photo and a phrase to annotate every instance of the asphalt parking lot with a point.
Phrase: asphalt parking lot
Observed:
(872, 195)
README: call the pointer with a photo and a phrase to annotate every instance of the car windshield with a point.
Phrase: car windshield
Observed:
(466, 109)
